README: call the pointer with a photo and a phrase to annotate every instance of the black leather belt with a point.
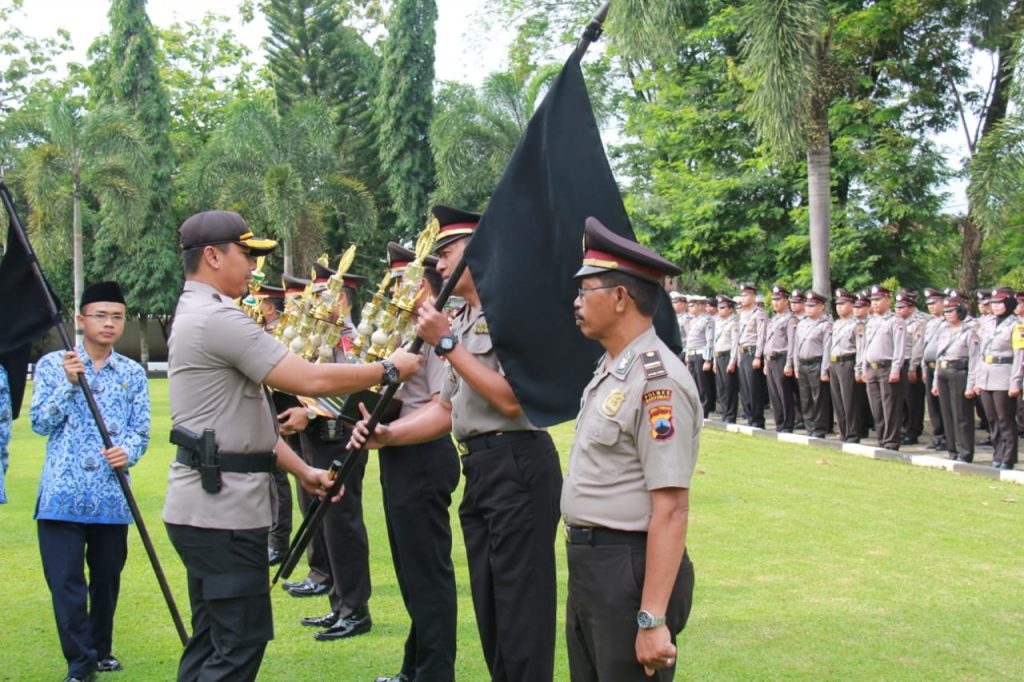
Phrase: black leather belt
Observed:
(997, 360)
(809, 362)
(881, 364)
(748, 350)
(930, 363)
(494, 439)
(776, 356)
(234, 462)
(575, 535)
(953, 364)
(692, 353)
(845, 357)
(722, 353)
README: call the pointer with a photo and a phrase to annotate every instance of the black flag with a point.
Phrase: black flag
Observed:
(529, 244)
(26, 307)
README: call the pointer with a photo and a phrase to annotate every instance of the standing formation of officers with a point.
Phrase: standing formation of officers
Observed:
(879, 363)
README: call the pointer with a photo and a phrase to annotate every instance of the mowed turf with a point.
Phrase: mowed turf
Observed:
(810, 565)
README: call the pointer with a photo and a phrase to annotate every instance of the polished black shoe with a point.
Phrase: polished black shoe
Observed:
(108, 665)
(328, 620)
(400, 677)
(852, 439)
(1007, 466)
(357, 623)
(308, 588)
(908, 440)
(997, 465)
(936, 445)
(965, 460)
(274, 556)
(987, 441)
(799, 425)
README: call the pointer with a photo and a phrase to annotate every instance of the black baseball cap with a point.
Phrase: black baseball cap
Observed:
(221, 227)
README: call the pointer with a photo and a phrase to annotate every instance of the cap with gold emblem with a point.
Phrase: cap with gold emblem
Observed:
(725, 301)
(797, 296)
(605, 251)
(879, 291)
(954, 299)
(748, 288)
(844, 296)
(932, 295)
(294, 285)
(814, 298)
(905, 298)
(399, 258)
(863, 299)
(1003, 295)
(221, 227)
(454, 224)
(779, 291)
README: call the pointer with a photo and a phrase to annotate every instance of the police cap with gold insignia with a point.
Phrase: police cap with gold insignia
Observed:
(605, 251)
(779, 292)
(797, 296)
(844, 296)
(814, 298)
(747, 288)
(454, 224)
(932, 295)
(1003, 295)
(725, 301)
(294, 285)
(399, 258)
(954, 299)
(323, 273)
(221, 227)
(905, 298)
(863, 299)
(879, 291)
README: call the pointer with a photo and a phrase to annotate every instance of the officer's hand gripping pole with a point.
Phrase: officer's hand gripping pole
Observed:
(122, 478)
(317, 510)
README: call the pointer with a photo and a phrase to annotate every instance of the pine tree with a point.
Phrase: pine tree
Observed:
(404, 111)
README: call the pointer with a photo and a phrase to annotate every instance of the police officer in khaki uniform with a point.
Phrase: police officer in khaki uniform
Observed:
(994, 368)
(953, 383)
(884, 367)
(913, 400)
(807, 347)
(750, 354)
(778, 365)
(218, 518)
(842, 356)
(682, 310)
(700, 342)
(862, 313)
(726, 383)
(626, 496)
(509, 508)
(932, 329)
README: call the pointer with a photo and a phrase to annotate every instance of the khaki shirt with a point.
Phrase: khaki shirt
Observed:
(472, 415)
(726, 333)
(776, 336)
(884, 339)
(844, 337)
(638, 430)
(996, 342)
(811, 341)
(914, 349)
(684, 320)
(701, 338)
(751, 332)
(956, 344)
(932, 330)
(421, 386)
(218, 357)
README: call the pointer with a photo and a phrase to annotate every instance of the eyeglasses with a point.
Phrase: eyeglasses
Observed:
(581, 292)
(103, 317)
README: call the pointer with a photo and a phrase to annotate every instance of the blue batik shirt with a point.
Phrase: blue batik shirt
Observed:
(5, 429)
(77, 483)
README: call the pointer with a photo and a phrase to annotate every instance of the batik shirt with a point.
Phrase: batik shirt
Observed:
(5, 429)
(77, 484)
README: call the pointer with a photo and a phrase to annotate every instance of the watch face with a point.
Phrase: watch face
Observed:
(643, 619)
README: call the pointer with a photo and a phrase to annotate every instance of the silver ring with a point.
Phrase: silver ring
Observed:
(669, 661)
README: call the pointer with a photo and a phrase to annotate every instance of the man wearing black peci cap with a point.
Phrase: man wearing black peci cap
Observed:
(217, 508)
(509, 509)
(625, 501)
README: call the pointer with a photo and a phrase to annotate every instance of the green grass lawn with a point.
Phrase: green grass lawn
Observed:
(809, 566)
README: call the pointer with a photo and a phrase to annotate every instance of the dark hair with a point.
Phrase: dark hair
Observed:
(190, 258)
(434, 280)
(353, 301)
(645, 294)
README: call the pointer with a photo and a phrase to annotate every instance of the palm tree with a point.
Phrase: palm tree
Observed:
(284, 174)
(78, 157)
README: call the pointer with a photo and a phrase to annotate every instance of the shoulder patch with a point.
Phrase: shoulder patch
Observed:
(624, 363)
(653, 367)
(656, 395)
(481, 328)
(662, 427)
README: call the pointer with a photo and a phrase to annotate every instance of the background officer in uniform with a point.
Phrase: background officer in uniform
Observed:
(219, 357)
(956, 355)
(934, 300)
(913, 401)
(625, 502)
(778, 365)
(699, 353)
(842, 355)
(884, 367)
(509, 508)
(994, 368)
(807, 347)
(727, 386)
(750, 353)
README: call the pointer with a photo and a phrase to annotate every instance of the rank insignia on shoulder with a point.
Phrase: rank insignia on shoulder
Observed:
(662, 427)
(657, 394)
(481, 328)
(1018, 337)
(653, 367)
(624, 362)
(613, 402)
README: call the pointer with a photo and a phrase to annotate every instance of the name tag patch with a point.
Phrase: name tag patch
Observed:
(663, 394)
(662, 427)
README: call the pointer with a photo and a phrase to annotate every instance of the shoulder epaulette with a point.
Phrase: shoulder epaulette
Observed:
(653, 367)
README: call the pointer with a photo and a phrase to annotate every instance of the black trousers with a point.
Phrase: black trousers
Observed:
(509, 515)
(780, 393)
(727, 387)
(84, 611)
(344, 532)
(281, 503)
(886, 402)
(913, 407)
(752, 389)
(815, 398)
(705, 383)
(316, 551)
(1001, 410)
(417, 482)
(862, 409)
(934, 407)
(957, 413)
(842, 382)
(230, 597)
(605, 587)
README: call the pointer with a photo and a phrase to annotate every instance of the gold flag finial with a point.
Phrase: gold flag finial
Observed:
(425, 242)
(323, 260)
(346, 260)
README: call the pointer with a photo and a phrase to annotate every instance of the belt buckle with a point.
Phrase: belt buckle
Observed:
(944, 364)
(461, 447)
(874, 365)
(834, 358)
(990, 359)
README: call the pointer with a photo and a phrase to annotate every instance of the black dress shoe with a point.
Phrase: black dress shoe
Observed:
(328, 620)
(308, 588)
(997, 465)
(799, 425)
(987, 441)
(400, 677)
(1008, 466)
(908, 440)
(966, 460)
(274, 556)
(108, 665)
(357, 623)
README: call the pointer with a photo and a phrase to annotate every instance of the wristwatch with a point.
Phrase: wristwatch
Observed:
(310, 414)
(391, 375)
(446, 345)
(645, 620)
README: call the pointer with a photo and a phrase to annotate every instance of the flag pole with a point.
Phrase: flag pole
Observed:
(122, 478)
(317, 510)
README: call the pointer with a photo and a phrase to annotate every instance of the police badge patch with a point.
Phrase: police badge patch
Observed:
(613, 402)
(662, 427)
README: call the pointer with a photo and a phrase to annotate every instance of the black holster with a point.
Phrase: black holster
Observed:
(204, 453)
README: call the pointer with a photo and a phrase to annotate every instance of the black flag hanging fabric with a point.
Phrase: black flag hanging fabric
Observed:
(529, 244)
(28, 312)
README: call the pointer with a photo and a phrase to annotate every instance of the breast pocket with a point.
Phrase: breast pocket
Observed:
(606, 453)
(479, 344)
